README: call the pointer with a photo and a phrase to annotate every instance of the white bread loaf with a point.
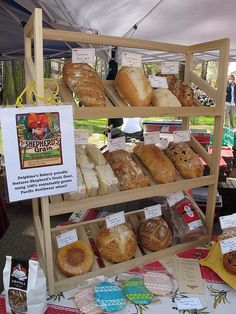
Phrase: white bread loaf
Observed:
(108, 182)
(163, 97)
(94, 153)
(82, 159)
(90, 180)
(81, 189)
(133, 86)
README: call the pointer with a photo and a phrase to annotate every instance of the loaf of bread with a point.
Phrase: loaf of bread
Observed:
(133, 86)
(163, 97)
(185, 160)
(160, 167)
(90, 180)
(94, 154)
(155, 234)
(81, 189)
(84, 81)
(229, 262)
(108, 182)
(82, 159)
(128, 173)
(116, 244)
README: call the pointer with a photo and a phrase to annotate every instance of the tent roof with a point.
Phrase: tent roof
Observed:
(172, 21)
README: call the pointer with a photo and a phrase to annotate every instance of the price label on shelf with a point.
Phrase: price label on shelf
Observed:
(66, 238)
(152, 211)
(169, 67)
(81, 137)
(115, 219)
(131, 59)
(228, 245)
(116, 143)
(175, 198)
(83, 55)
(181, 136)
(151, 137)
(188, 304)
(158, 81)
(228, 221)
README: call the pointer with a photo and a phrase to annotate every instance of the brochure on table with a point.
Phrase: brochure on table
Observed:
(39, 151)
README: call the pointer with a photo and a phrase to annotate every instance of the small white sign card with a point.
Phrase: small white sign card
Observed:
(81, 137)
(228, 245)
(151, 137)
(188, 304)
(115, 219)
(83, 55)
(228, 221)
(66, 238)
(181, 136)
(152, 211)
(158, 81)
(175, 198)
(169, 67)
(131, 59)
(39, 151)
(116, 143)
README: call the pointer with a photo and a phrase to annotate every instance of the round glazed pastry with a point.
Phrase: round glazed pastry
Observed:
(158, 283)
(135, 291)
(116, 244)
(229, 262)
(109, 297)
(155, 234)
(75, 259)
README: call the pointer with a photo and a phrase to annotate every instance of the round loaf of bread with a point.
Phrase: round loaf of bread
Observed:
(155, 234)
(75, 258)
(116, 244)
(229, 262)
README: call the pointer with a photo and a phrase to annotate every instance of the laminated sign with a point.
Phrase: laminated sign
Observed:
(39, 158)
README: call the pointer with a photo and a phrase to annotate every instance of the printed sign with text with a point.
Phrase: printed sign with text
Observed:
(169, 67)
(131, 59)
(83, 55)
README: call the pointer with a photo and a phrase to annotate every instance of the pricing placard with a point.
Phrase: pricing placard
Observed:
(116, 143)
(131, 59)
(158, 81)
(152, 211)
(81, 137)
(228, 221)
(169, 67)
(188, 304)
(228, 245)
(115, 219)
(83, 55)
(175, 198)
(181, 136)
(151, 137)
(67, 238)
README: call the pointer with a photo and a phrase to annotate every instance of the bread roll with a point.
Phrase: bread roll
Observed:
(160, 167)
(116, 244)
(229, 262)
(155, 234)
(185, 160)
(163, 97)
(84, 81)
(133, 86)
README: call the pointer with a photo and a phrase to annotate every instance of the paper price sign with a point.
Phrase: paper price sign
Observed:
(188, 304)
(175, 198)
(152, 211)
(66, 238)
(228, 221)
(115, 219)
(170, 67)
(228, 245)
(131, 59)
(116, 143)
(181, 136)
(81, 137)
(82, 55)
(151, 138)
(158, 81)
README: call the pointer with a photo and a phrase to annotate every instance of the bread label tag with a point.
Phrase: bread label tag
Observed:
(188, 304)
(151, 137)
(152, 211)
(175, 198)
(189, 214)
(169, 67)
(158, 81)
(83, 55)
(116, 143)
(115, 219)
(66, 238)
(228, 245)
(131, 60)
(228, 221)
(81, 137)
(181, 136)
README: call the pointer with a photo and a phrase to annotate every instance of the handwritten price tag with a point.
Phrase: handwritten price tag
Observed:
(116, 143)
(115, 219)
(83, 55)
(228, 245)
(175, 198)
(181, 136)
(228, 221)
(158, 81)
(131, 59)
(152, 211)
(67, 238)
(151, 137)
(170, 67)
(188, 304)
(81, 137)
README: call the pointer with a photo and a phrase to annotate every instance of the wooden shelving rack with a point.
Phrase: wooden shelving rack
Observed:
(43, 209)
